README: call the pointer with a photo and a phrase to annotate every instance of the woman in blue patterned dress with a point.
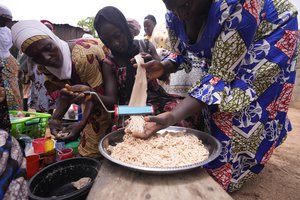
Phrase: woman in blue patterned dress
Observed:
(246, 49)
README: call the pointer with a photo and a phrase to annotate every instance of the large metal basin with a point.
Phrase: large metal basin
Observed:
(211, 143)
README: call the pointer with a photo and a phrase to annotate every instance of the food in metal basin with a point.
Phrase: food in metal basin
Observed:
(136, 125)
(169, 149)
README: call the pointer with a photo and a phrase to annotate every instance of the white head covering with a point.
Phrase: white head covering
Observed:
(5, 12)
(5, 42)
(26, 29)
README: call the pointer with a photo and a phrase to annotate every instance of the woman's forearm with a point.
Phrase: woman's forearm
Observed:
(62, 107)
(108, 101)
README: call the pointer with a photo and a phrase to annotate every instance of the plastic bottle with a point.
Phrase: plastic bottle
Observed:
(49, 144)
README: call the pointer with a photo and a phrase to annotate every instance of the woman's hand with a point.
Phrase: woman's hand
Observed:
(156, 123)
(71, 133)
(146, 56)
(74, 93)
(2, 94)
(55, 126)
(154, 69)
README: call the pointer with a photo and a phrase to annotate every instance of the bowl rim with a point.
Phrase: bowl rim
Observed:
(75, 193)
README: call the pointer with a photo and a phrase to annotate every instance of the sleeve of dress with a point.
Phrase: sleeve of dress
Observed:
(53, 86)
(88, 68)
(253, 51)
(176, 50)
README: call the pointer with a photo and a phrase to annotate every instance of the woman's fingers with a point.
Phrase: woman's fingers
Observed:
(151, 128)
(154, 69)
(79, 98)
(77, 88)
(154, 124)
(68, 87)
(161, 119)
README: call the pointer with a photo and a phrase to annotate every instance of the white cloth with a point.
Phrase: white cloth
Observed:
(138, 96)
(25, 29)
(5, 42)
(5, 12)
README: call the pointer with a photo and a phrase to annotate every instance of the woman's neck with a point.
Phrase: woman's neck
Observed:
(193, 28)
(121, 60)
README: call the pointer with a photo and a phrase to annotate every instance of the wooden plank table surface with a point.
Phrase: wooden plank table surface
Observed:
(116, 182)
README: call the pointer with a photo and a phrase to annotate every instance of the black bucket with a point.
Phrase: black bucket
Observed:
(55, 181)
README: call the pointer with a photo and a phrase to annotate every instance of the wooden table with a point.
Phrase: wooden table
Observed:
(115, 182)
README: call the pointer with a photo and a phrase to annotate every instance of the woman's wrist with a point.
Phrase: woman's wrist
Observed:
(169, 66)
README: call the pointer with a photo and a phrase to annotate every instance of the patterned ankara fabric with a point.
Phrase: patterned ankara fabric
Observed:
(12, 163)
(180, 82)
(247, 55)
(10, 79)
(39, 98)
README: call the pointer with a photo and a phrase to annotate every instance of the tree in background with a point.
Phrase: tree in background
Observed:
(88, 25)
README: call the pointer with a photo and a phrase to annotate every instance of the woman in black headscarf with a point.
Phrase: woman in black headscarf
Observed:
(113, 30)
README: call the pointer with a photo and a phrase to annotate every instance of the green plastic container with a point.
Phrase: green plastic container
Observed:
(74, 145)
(33, 125)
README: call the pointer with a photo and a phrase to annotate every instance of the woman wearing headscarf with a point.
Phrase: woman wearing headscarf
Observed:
(70, 68)
(113, 30)
(247, 52)
(134, 26)
(12, 163)
(35, 94)
(8, 62)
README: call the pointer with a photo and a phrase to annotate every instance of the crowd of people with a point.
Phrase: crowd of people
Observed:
(227, 68)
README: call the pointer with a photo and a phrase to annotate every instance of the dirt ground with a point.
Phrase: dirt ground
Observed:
(280, 179)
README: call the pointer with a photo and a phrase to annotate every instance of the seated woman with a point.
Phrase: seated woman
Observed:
(113, 30)
(12, 163)
(72, 67)
(10, 64)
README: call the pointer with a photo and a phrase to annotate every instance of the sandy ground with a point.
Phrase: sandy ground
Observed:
(280, 179)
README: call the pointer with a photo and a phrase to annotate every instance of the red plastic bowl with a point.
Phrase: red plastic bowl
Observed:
(65, 154)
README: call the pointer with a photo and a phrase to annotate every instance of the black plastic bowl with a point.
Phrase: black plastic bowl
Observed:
(54, 181)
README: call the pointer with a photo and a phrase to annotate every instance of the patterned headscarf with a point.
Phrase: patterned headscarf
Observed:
(48, 24)
(31, 40)
(26, 32)
(134, 26)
